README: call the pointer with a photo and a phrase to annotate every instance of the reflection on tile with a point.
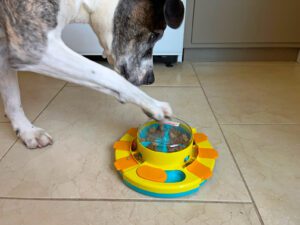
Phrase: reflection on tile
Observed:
(36, 92)
(181, 74)
(120, 213)
(252, 92)
(7, 138)
(268, 156)
(84, 125)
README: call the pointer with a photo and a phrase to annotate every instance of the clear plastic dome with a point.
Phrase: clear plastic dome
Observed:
(171, 136)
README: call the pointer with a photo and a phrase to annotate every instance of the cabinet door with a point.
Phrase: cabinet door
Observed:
(246, 21)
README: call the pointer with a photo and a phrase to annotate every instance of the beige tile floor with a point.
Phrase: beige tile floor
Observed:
(250, 111)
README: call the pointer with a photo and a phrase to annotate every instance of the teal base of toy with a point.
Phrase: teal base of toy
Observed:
(157, 195)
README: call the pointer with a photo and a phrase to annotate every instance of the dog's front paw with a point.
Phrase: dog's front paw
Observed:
(159, 111)
(35, 138)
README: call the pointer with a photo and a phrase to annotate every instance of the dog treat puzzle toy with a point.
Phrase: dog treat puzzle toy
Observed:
(164, 160)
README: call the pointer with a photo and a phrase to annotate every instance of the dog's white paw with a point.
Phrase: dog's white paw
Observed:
(159, 110)
(35, 138)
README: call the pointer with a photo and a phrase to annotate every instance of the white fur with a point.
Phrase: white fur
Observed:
(61, 62)
(32, 136)
(146, 65)
(102, 24)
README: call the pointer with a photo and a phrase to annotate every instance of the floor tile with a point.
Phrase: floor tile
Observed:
(252, 93)
(7, 138)
(181, 74)
(268, 157)
(84, 125)
(119, 213)
(36, 92)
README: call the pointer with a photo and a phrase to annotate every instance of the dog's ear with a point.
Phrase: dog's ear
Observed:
(174, 13)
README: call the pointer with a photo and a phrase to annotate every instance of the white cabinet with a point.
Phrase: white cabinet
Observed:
(81, 38)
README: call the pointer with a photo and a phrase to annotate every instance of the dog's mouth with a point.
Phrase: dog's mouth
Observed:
(138, 83)
(123, 71)
(135, 82)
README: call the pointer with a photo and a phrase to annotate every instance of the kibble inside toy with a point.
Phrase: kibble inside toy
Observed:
(169, 136)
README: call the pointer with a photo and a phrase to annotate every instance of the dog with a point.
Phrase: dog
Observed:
(30, 40)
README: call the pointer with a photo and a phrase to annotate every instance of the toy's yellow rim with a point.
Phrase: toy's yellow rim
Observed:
(197, 172)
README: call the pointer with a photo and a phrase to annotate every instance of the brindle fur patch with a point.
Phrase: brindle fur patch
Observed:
(26, 23)
(134, 22)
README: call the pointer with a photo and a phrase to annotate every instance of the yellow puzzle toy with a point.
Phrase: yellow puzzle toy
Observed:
(164, 160)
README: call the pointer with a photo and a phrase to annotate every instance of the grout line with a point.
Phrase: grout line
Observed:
(232, 155)
(246, 63)
(198, 79)
(8, 150)
(243, 178)
(124, 200)
(260, 124)
(156, 86)
(51, 100)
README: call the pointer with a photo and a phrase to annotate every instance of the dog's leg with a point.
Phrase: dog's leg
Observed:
(33, 137)
(61, 62)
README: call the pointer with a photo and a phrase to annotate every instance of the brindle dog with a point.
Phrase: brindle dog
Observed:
(30, 39)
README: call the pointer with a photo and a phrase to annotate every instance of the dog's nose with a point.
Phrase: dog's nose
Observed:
(149, 78)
